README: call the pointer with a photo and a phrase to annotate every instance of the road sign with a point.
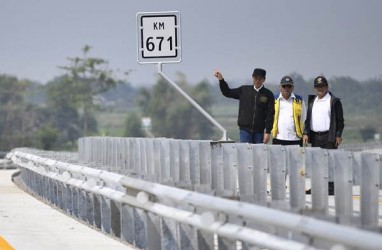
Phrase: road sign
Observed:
(158, 37)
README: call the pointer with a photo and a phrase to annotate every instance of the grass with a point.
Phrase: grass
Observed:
(112, 123)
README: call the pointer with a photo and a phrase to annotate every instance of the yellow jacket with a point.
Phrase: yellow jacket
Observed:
(298, 116)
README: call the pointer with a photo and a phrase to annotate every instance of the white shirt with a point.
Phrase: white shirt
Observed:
(286, 129)
(258, 88)
(320, 121)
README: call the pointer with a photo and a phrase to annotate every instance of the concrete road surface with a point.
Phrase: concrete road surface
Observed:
(28, 224)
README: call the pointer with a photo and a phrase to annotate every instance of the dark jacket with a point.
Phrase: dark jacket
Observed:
(336, 118)
(256, 109)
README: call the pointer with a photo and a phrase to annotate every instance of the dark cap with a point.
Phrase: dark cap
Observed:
(286, 80)
(320, 80)
(259, 72)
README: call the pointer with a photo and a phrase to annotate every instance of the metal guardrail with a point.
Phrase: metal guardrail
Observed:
(152, 216)
(363, 146)
(247, 172)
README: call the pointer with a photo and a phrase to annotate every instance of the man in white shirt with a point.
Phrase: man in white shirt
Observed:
(325, 122)
(290, 114)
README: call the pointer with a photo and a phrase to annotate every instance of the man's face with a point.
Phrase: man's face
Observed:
(321, 90)
(258, 81)
(286, 90)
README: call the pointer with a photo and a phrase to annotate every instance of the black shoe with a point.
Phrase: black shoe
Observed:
(330, 191)
(331, 188)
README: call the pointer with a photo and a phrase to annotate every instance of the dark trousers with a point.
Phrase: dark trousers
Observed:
(322, 141)
(284, 142)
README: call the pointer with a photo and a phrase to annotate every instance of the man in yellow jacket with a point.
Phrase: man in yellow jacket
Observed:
(290, 114)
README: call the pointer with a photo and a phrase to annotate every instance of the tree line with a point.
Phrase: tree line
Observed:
(53, 116)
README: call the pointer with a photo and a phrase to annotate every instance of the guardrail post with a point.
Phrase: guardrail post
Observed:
(184, 165)
(143, 157)
(205, 240)
(296, 177)
(127, 223)
(105, 215)
(245, 167)
(165, 162)
(82, 205)
(90, 208)
(223, 166)
(342, 163)
(230, 170)
(187, 237)
(169, 234)
(153, 227)
(174, 161)
(115, 213)
(369, 190)
(205, 167)
(131, 155)
(53, 194)
(140, 225)
(226, 244)
(69, 195)
(195, 163)
(123, 155)
(137, 156)
(39, 184)
(61, 195)
(318, 160)
(260, 172)
(75, 194)
(97, 210)
(149, 146)
(157, 173)
(217, 170)
(277, 168)
(45, 186)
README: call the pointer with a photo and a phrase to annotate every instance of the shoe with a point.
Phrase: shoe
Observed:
(330, 191)
(331, 188)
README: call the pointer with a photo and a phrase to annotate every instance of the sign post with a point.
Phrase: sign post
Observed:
(159, 37)
(159, 42)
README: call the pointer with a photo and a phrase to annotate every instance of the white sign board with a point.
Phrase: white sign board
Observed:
(158, 37)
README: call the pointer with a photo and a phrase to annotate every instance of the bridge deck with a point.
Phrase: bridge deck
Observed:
(27, 223)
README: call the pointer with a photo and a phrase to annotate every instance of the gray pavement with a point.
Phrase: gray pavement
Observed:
(27, 223)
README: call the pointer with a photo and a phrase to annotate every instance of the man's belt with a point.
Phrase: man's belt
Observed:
(321, 133)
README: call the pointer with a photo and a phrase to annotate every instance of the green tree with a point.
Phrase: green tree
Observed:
(19, 120)
(172, 115)
(86, 77)
(367, 133)
(63, 112)
(133, 126)
(47, 137)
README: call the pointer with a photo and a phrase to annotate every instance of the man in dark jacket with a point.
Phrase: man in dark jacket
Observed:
(324, 122)
(256, 107)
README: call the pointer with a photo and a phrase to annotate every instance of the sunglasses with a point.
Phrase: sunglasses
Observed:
(286, 86)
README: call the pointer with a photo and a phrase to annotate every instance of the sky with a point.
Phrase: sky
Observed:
(333, 38)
